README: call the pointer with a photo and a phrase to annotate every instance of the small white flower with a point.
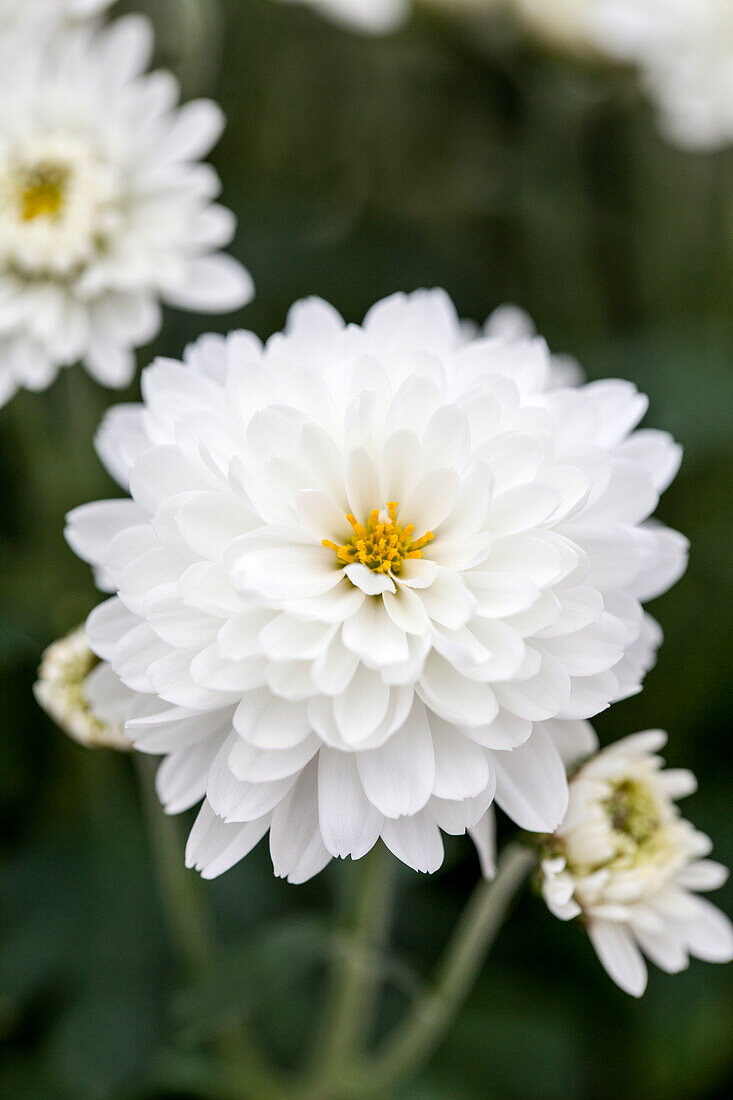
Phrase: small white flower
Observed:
(68, 689)
(370, 16)
(104, 210)
(625, 861)
(371, 576)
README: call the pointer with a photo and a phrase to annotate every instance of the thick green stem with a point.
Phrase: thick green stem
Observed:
(416, 1038)
(355, 975)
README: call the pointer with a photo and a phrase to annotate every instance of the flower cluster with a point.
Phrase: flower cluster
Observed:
(367, 580)
(104, 209)
(372, 578)
(626, 863)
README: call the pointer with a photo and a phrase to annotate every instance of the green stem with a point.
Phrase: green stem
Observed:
(188, 920)
(355, 973)
(415, 1039)
(179, 889)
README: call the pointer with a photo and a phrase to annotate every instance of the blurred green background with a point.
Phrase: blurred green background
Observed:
(447, 155)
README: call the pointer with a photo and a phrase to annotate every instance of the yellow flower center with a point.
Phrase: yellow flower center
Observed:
(381, 543)
(633, 813)
(42, 192)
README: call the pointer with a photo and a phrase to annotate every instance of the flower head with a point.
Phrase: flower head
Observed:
(629, 865)
(104, 210)
(67, 689)
(371, 576)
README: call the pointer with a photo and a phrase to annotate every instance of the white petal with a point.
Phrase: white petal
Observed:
(520, 509)
(321, 516)
(106, 625)
(171, 677)
(709, 934)
(91, 527)
(704, 874)
(505, 732)
(417, 573)
(531, 785)
(209, 522)
(359, 710)
(406, 610)
(573, 740)
(281, 570)
(332, 671)
(416, 841)
(373, 636)
(213, 846)
(349, 823)
(615, 946)
(181, 778)
(369, 581)
(253, 765)
(268, 722)
(362, 484)
(431, 500)
(447, 438)
(448, 601)
(462, 768)
(540, 697)
(454, 697)
(483, 835)
(296, 846)
(287, 638)
(213, 284)
(398, 778)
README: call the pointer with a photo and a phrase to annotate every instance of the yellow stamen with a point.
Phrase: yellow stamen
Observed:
(42, 193)
(381, 543)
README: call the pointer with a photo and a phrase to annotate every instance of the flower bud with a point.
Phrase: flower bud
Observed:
(66, 690)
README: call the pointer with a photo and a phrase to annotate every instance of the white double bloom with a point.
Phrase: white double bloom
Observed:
(372, 577)
(629, 865)
(105, 211)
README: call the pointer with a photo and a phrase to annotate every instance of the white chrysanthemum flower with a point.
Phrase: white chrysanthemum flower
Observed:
(625, 861)
(371, 576)
(104, 208)
(370, 16)
(68, 688)
(683, 48)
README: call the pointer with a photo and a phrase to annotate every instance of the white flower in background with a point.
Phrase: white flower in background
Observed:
(104, 210)
(683, 48)
(371, 577)
(685, 51)
(67, 689)
(629, 865)
(48, 13)
(370, 16)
